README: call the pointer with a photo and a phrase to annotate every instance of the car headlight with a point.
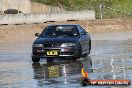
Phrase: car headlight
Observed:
(38, 45)
(68, 44)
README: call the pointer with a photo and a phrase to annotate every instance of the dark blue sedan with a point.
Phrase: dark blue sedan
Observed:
(68, 40)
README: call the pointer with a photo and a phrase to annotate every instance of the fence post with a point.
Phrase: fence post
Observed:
(100, 7)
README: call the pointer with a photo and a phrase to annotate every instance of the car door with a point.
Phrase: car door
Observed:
(84, 40)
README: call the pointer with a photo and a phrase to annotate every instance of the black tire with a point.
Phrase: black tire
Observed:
(74, 58)
(85, 55)
(79, 54)
(35, 59)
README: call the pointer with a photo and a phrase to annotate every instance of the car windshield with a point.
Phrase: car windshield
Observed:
(60, 31)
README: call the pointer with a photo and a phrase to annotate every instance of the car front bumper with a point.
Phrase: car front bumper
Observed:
(63, 52)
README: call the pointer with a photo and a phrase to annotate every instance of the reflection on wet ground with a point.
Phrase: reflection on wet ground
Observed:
(59, 73)
(108, 60)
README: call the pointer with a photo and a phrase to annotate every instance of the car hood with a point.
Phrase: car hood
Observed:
(55, 40)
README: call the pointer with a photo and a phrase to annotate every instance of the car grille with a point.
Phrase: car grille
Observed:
(53, 45)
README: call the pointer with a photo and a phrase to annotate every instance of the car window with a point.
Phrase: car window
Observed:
(81, 30)
(57, 31)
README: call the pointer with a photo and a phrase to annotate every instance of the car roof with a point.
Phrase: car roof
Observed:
(63, 25)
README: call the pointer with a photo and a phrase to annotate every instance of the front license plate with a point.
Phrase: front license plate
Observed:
(52, 53)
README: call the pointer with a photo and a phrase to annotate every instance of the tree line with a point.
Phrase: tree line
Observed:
(70, 5)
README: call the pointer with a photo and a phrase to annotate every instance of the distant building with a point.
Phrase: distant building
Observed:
(21, 5)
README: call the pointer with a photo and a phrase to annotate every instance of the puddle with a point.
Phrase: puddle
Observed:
(108, 60)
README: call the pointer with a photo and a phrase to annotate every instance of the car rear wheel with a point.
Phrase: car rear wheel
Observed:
(35, 59)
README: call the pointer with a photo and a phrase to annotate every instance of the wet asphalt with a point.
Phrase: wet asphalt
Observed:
(109, 59)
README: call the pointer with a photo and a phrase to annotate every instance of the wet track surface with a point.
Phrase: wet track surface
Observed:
(109, 59)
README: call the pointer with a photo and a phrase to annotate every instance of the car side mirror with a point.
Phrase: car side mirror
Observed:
(87, 32)
(37, 34)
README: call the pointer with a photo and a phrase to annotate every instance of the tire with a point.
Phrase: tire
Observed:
(35, 59)
(79, 54)
(74, 58)
(85, 55)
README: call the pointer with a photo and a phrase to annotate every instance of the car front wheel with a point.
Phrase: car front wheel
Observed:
(35, 59)
(79, 53)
